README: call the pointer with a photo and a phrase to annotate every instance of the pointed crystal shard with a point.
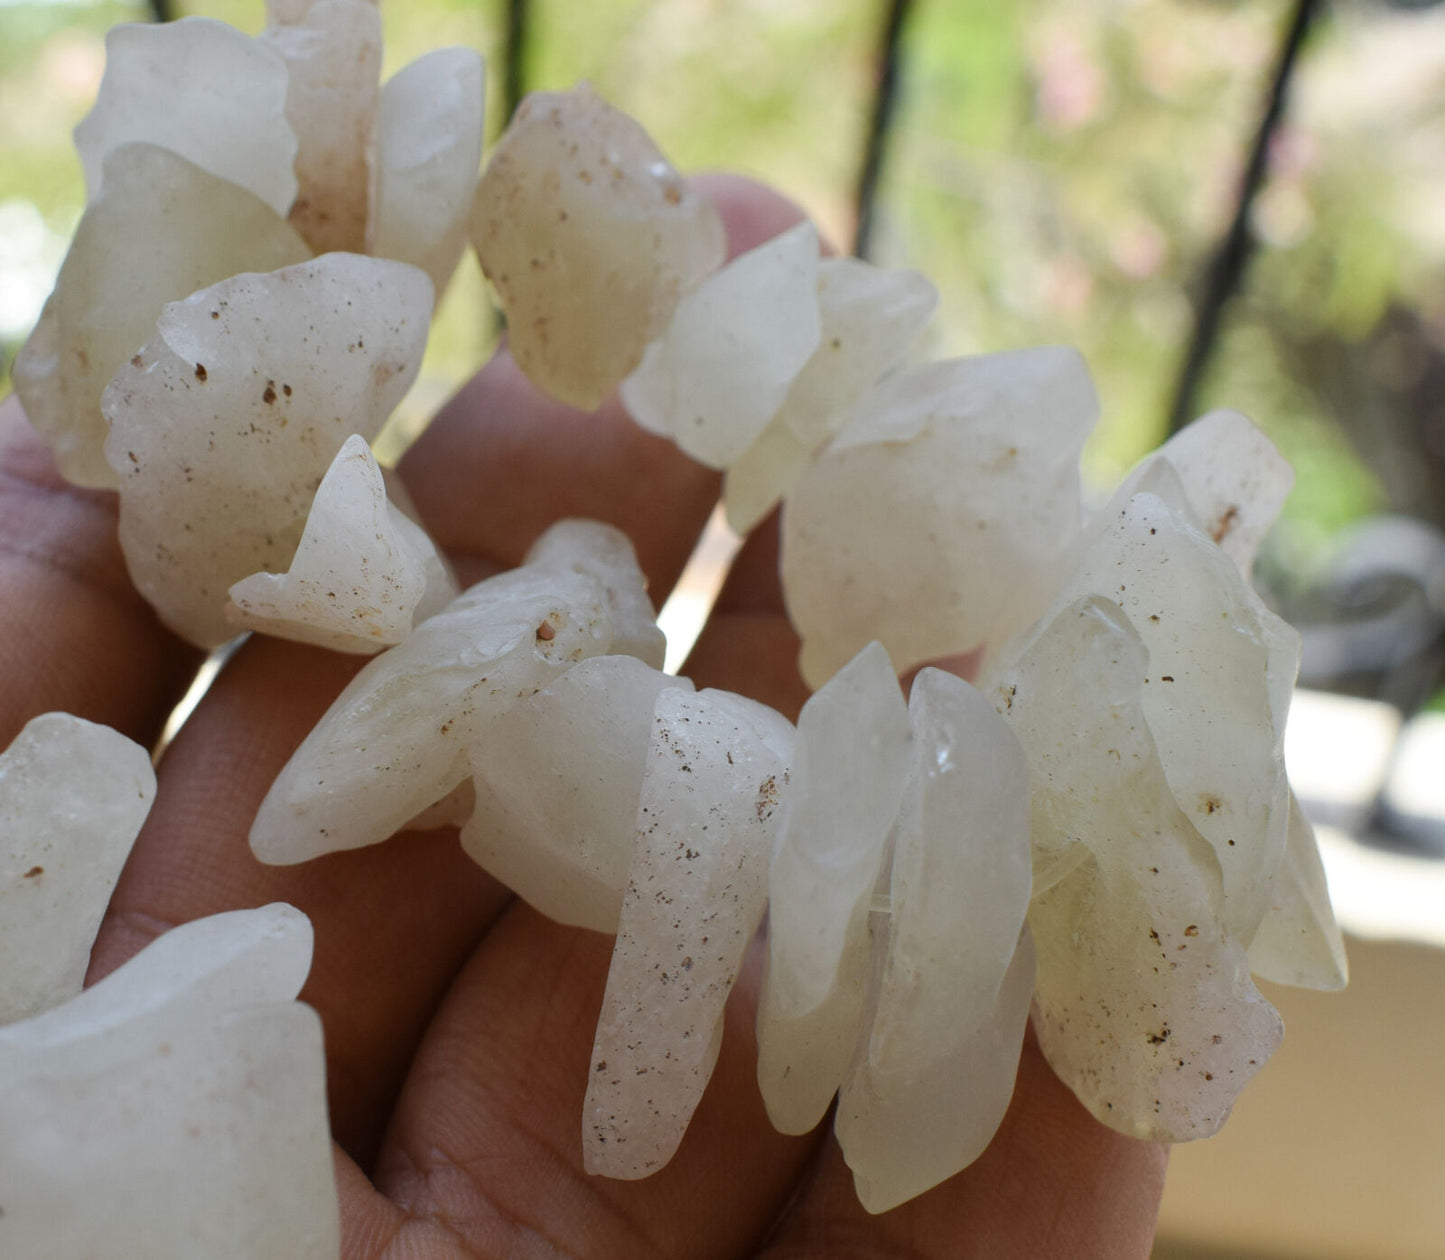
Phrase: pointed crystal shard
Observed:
(950, 995)
(73, 796)
(160, 229)
(716, 766)
(843, 794)
(1207, 694)
(362, 574)
(203, 90)
(869, 316)
(942, 517)
(557, 780)
(1144, 1005)
(332, 53)
(428, 149)
(222, 427)
(589, 238)
(1298, 941)
(726, 362)
(396, 739)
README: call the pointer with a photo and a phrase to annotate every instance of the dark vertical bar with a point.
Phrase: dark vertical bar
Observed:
(514, 70)
(162, 11)
(880, 124)
(1226, 269)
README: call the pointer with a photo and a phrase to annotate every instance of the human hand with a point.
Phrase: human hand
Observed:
(458, 1021)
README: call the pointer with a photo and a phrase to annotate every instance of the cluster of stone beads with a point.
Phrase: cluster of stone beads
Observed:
(1099, 829)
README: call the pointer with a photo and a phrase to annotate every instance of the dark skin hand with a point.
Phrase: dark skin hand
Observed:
(458, 1021)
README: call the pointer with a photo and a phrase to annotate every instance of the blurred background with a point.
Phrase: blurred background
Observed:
(1222, 204)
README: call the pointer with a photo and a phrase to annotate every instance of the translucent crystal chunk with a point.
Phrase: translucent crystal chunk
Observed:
(950, 998)
(716, 766)
(73, 796)
(223, 426)
(942, 517)
(362, 575)
(160, 229)
(589, 238)
(843, 795)
(428, 149)
(201, 89)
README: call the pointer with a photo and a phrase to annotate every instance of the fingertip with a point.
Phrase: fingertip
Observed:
(751, 211)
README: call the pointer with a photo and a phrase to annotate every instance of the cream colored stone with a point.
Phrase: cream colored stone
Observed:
(160, 229)
(557, 781)
(943, 516)
(73, 796)
(332, 53)
(716, 766)
(203, 90)
(843, 795)
(362, 575)
(223, 426)
(428, 149)
(589, 238)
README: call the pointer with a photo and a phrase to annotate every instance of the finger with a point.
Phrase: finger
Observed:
(488, 1132)
(748, 644)
(393, 923)
(74, 635)
(502, 461)
(1054, 1182)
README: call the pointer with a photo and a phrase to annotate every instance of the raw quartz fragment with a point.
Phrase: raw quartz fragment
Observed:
(556, 781)
(73, 796)
(203, 90)
(175, 1109)
(362, 575)
(395, 741)
(224, 424)
(716, 766)
(428, 149)
(869, 316)
(1207, 696)
(726, 362)
(332, 53)
(1298, 941)
(1144, 1005)
(946, 1012)
(159, 229)
(843, 794)
(589, 238)
(941, 518)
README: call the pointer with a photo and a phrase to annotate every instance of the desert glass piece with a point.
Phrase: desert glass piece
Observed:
(160, 229)
(843, 794)
(222, 427)
(1144, 1005)
(557, 779)
(716, 766)
(946, 1014)
(1210, 646)
(362, 575)
(1298, 941)
(869, 315)
(941, 517)
(395, 741)
(214, 1144)
(727, 360)
(1234, 478)
(184, 977)
(589, 238)
(73, 796)
(333, 66)
(428, 149)
(201, 89)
